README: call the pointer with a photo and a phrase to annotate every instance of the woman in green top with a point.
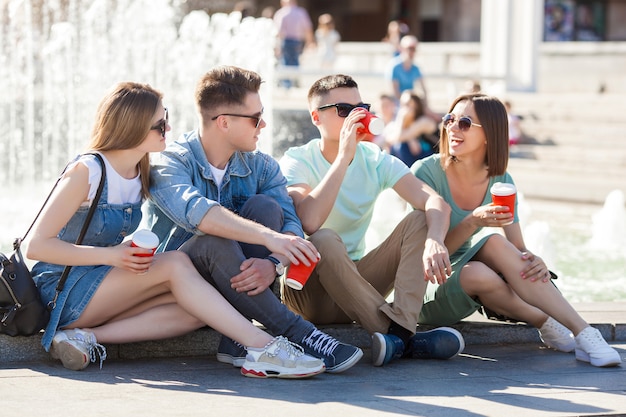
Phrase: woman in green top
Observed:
(490, 268)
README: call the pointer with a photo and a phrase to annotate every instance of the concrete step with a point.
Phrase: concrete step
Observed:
(572, 157)
(571, 181)
(609, 318)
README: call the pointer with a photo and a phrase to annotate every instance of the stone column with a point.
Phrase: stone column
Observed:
(510, 35)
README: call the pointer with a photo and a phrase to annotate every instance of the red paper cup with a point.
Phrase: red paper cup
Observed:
(503, 194)
(298, 275)
(373, 124)
(145, 239)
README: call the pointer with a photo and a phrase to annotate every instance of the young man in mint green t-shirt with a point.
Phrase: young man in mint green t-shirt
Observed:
(334, 182)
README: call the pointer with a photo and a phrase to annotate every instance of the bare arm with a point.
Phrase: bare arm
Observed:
(424, 93)
(483, 216)
(314, 205)
(535, 269)
(396, 88)
(43, 245)
(436, 259)
(220, 221)
(497, 216)
(423, 125)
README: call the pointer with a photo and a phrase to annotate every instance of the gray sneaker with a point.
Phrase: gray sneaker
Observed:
(231, 352)
(281, 359)
(76, 348)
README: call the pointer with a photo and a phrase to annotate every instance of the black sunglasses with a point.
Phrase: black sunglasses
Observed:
(344, 109)
(161, 125)
(464, 122)
(257, 118)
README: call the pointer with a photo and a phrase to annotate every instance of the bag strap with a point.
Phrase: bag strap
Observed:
(79, 240)
(18, 241)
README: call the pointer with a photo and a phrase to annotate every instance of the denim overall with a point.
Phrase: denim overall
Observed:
(110, 224)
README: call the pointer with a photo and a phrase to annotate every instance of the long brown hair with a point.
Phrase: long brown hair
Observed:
(493, 118)
(123, 120)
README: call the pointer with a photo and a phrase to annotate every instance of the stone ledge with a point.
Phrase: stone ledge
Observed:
(204, 341)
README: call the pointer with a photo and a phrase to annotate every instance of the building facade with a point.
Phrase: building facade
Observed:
(444, 20)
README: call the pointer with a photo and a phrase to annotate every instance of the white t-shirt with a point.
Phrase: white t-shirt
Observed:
(120, 190)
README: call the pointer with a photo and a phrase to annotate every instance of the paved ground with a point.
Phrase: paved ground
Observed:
(486, 380)
(504, 371)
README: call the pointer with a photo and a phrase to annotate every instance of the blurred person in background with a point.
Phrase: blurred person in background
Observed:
(395, 31)
(327, 39)
(295, 31)
(412, 135)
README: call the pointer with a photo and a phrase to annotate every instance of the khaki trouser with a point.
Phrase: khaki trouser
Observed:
(342, 291)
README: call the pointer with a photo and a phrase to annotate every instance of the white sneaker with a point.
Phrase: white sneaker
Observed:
(591, 347)
(281, 359)
(556, 336)
(76, 348)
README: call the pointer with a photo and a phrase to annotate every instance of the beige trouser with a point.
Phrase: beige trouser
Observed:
(342, 291)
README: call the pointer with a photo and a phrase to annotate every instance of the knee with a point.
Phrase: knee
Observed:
(327, 242)
(477, 278)
(265, 210)
(496, 242)
(177, 262)
(206, 246)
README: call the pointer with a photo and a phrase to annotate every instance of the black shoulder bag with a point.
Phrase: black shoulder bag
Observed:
(22, 312)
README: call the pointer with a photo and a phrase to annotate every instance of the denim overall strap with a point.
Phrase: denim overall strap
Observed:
(79, 240)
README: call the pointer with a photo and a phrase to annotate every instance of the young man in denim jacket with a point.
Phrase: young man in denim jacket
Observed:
(225, 204)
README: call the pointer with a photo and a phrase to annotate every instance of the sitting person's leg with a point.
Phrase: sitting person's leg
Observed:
(266, 211)
(396, 264)
(336, 290)
(500, 255)
(218, 260)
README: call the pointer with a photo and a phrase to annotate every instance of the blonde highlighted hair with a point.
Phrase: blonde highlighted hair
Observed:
(123, 120)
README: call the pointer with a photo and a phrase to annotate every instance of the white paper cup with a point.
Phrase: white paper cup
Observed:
(145, 239)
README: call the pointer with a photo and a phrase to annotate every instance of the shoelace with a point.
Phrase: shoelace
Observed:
(95, 349)
(282, 343)
(325, 344)
(291, 348)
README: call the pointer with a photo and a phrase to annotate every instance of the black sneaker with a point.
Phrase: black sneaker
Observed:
(231, 352)
(337, 356)
(440, 343)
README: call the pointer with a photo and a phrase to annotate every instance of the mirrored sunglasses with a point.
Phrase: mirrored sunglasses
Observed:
(464, 122)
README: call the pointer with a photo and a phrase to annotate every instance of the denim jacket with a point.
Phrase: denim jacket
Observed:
(183, 189)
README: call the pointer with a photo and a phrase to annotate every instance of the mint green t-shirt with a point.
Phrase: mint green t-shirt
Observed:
(370, 172)
(430, 171)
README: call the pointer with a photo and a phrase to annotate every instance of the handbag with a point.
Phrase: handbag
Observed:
(22, 312)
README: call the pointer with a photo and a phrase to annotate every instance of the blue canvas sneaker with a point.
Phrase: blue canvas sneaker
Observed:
(231, 352)
(439, 343)
(385, 348)
(337, 356)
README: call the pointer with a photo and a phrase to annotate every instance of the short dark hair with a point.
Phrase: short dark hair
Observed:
(324, 85)
(225, 86)
(493, 118)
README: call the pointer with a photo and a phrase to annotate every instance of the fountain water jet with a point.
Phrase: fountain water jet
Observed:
(609, 226)
(58, 61)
